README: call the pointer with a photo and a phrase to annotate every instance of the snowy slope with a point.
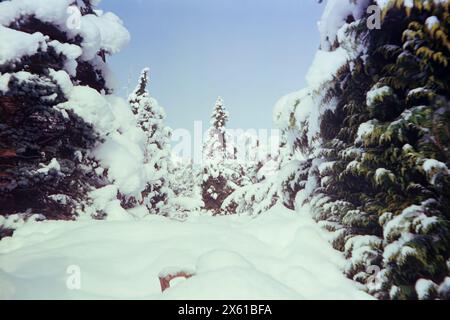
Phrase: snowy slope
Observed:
(278, 255)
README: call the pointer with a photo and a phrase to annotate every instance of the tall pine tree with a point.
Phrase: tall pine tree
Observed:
(150, 117)
(220, 170)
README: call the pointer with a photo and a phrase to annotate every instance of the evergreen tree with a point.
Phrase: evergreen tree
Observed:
(218, 145)
(150, 117)
(186, 178)
(140, 92)
(377, 174)
(220, 171)
(185, 184)
(262, 188)
(44, 152)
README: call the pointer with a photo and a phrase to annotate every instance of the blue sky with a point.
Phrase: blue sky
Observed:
(250, 52)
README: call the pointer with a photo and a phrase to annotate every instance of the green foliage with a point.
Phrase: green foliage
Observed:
(378, 184)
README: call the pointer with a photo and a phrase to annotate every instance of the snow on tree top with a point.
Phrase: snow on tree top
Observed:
(423, 287)
(335, 16)
(433, 167)
(220, 116)
(431, 22)
(141, 88)
(376, 93)
(100, 31)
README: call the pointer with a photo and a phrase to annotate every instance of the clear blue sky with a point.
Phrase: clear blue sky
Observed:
(250, 52)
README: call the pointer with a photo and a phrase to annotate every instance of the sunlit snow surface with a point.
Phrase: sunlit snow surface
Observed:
(277, 255)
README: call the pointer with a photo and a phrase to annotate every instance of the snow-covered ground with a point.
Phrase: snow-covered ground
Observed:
(277, 255)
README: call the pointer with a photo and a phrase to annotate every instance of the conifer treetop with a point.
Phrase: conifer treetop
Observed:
(141, 88)
(140, 92)
(219, 117)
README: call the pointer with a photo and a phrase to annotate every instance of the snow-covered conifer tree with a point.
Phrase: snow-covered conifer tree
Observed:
(140, 92)
(221, 173)
(186, 186)
(372, 130)
(186, 177)
(46, 165)
(263, 186)
(150, 117)
(218, 145)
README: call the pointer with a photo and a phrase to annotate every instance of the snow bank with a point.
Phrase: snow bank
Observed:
(233, 283)
(279, 255)
(219, 259)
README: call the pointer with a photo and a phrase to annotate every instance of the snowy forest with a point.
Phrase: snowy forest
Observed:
(353, 202)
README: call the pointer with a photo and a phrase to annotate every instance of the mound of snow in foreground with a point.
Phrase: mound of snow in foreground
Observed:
(278, 255)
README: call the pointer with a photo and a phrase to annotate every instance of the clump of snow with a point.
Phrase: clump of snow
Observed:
(63, 80)
(424, 287)
(418, 90)
(382, 3)
(105, 201)
(102, 196)
(285, 256)
(360, 241)
(16, 44)
(365, 129)
(433, 167)
(122, 151)
(335, 16)
(104, 32)
(71, 52)
(431, 22)
(89, 104)
(382, 173)
(325, 65)
(4, 82)
(44, 10)
(362, 252)
(299, 111)
(53, 165)
(376, 93)
(100, 33)
(326, 167)
(412, 218)
(286, 107)
(123, 156)
(393, 249)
